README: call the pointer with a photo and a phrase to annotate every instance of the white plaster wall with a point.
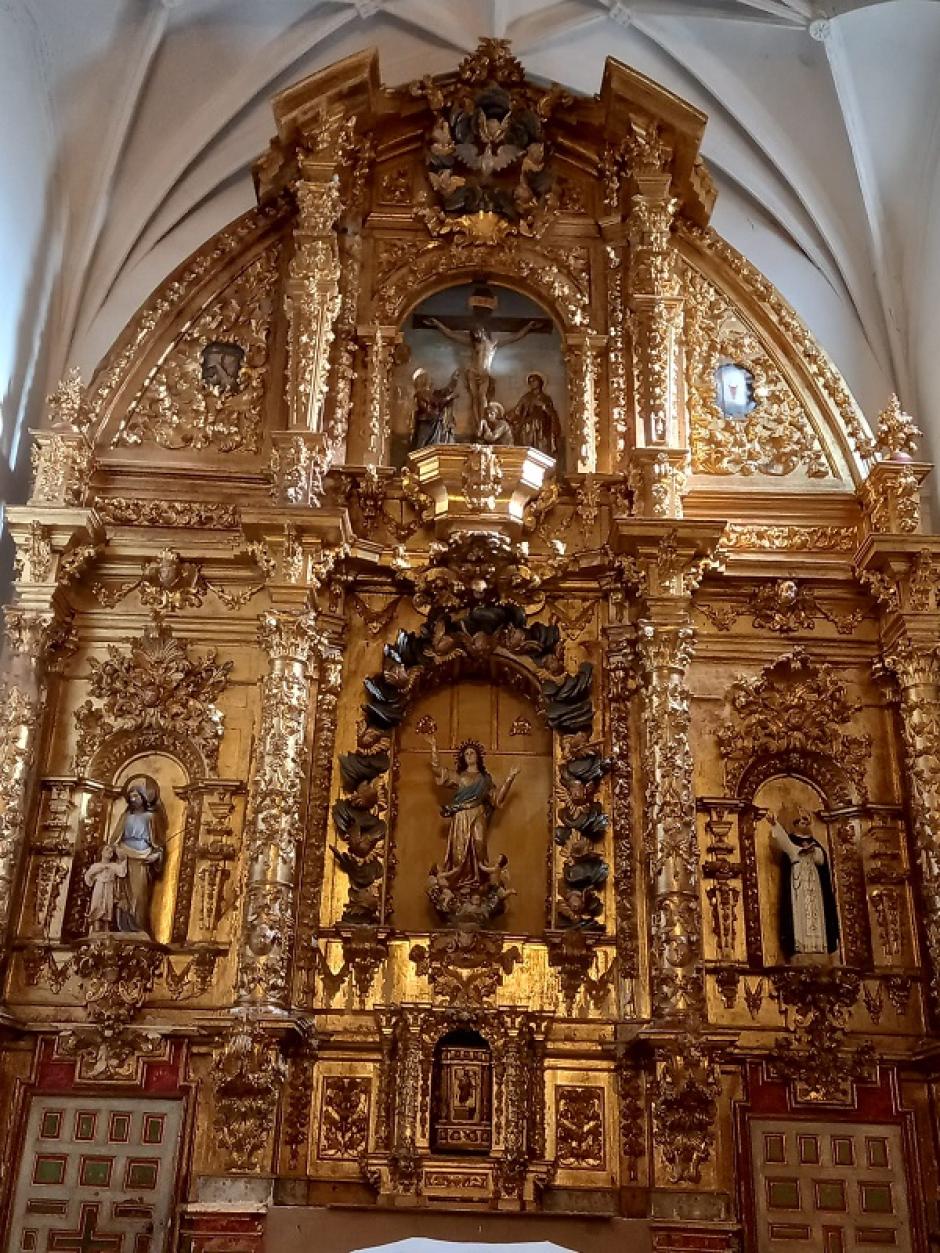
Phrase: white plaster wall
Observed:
(130, 127)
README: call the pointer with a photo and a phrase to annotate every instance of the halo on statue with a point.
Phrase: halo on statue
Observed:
(459, 758)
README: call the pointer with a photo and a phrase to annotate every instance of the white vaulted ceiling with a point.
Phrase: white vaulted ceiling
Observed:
(129, 127)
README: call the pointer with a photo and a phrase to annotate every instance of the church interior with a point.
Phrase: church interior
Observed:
(470, 721)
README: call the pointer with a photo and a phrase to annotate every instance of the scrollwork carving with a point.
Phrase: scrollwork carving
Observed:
(192, 402)
(155, 687)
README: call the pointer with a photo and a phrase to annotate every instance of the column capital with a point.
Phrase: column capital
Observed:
(665, 559)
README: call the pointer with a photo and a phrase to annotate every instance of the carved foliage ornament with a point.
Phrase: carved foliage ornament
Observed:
(486, 153)
(207, 391)
(776, 437)
(685, 1105)
(794, 709)
(579, 1128)
(814, 1056)
(155, 687)
(249, 1073)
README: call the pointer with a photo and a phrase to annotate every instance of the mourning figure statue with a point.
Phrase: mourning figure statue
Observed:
(493, 428)
(809, 921)
(534, 418)
(432, 420)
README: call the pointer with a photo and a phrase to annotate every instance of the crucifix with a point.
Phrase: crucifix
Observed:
(87, 1239)
(477, 330)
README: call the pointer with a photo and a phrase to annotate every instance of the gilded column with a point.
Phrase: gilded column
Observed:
(302, 454)
(515, 1157)
(341, 398)
(36, 644)
(663, 566)
(275, 821)
(380, 342)
(313, 298)
(581, 358)
(901, 569)
(621, 438)
(665, 650)
(620, 654)
(656, 303)
(916, 667)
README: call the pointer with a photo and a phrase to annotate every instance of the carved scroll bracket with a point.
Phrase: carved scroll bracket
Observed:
(480, 487)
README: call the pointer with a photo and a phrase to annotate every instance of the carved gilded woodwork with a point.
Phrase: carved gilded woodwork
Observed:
(668, 632)
(187, 404)
(776, 438)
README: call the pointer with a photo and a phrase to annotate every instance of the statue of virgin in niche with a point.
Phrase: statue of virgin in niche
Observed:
(139, 839)
(468, 887)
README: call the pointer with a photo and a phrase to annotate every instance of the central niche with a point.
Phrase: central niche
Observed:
(500, 723)
(479, 364)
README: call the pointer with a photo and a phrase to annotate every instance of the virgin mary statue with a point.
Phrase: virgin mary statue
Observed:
(467, 876)
(139, 837)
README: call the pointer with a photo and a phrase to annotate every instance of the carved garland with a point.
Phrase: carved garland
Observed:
(444, 647)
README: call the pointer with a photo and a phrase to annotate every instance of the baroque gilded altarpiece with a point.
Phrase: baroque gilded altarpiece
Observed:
(687, 620)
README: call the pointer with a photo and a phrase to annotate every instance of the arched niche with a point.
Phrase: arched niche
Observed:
(784, 796)
(783, 785)
(175, 765)
(462, 1094)
(505, 312)
(501, 716)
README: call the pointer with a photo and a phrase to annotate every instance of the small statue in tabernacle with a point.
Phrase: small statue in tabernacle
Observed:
(469, 888)
(139, 838)
(493, 428)
(809, 921)
(103, 877)
(432, 418)
(534, 418)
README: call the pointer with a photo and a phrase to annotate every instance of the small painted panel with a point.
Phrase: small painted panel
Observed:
(830, 1194)
(876, 1150)
(876, 1198)
(119, 1128)
(809, 1149)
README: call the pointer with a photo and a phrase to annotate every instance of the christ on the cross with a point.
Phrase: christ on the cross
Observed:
(483, 349)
